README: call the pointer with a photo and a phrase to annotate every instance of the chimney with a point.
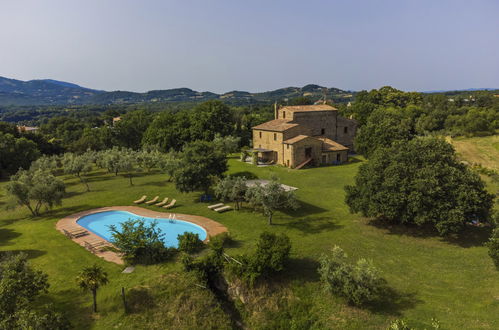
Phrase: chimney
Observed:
(275, 110)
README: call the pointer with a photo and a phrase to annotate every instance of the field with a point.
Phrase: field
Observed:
(452, 280)
(479, 150)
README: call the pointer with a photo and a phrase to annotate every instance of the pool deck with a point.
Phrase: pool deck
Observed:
(212, 228)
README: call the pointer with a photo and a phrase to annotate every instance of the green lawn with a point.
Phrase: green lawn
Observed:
(452, 280)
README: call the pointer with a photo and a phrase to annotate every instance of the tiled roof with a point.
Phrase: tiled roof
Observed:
(330, 145)
(315, 107)
(276, 125)
(296, 139)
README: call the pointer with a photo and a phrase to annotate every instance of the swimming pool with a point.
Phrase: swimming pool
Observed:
(98, 223)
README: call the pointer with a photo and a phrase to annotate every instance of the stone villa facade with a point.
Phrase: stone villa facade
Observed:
(304, 134)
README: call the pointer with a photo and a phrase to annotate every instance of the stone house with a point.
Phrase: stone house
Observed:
(304, 134)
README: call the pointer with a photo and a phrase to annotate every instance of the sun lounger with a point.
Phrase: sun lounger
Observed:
(172, 203)
(75, 232)
(96, 246)
(140, 200)
(216, 206)
(154, 200)
(223, 208)
(163, 202)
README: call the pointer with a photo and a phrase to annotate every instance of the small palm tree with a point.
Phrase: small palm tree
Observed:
(91, 278)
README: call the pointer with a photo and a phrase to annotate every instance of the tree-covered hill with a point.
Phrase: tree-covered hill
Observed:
(52, 92)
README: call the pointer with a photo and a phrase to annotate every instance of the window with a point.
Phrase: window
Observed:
(345, 130)
(323, 131)
(275, 136)
(338, 157)
(288, 162)
(260, 135)
(287, 146)
(284, 114)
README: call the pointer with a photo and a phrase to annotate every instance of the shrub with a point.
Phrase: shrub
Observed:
(493, 245)
(140, 243)
(221, 240)
(271, 254)
(360, 283)
(189, 242)
(206, 268)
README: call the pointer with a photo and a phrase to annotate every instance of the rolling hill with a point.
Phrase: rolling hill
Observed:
(54, 92)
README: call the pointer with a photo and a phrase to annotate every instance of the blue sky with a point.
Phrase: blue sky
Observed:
(252, 45)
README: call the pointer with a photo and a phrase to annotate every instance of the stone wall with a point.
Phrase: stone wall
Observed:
(345, 132)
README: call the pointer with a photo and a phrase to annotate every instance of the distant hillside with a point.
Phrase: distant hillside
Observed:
(53, 92)
(42, 92)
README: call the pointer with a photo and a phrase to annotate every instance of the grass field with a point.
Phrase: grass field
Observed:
(479, 150)
(452, 280)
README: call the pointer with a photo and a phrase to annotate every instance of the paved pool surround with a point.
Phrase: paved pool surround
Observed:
(211, 227)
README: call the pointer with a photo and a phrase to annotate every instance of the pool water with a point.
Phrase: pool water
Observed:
(98, 223)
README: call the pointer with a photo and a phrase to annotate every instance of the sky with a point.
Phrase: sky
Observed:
(220, 46)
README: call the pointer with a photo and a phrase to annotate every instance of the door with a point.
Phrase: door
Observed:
(308, 152)
(324, 159)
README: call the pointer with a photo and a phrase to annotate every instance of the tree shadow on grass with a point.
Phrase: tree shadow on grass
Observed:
(64, 211)
(393, 302)
(7, 235)
(161, 183)
(139, 299)
(469, 237)
(73, 304)
(305, 209)
(301, 269)
(312, 225)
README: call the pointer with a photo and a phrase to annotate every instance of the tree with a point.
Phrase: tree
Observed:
(169, 163)
(210, 118)
(16, 153)
(493, 245)
(228, 144)
(77, 165)
(129, 131)
(45, 163)
(360, 283)
(92, 278)
(148, 158)
(199, 163)
(127, 163)
(20, 286)
(140, 243)
(301, 100)
(39, 187)
(271, 197)
(383, 127)
(110, 160)
(420, 182)
(232, 188)
(168, 131)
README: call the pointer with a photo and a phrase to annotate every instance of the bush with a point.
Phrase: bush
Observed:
(360, 283)
(189, 242)
(221, 240)
(207, 268)
(140, 243)
(271, 254)
(493, 245)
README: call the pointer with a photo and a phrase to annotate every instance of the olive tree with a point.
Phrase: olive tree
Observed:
(78, 165)
(271, 197)
(232, 188)
(35, 189)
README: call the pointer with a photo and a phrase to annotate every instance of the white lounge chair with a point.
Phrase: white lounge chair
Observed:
(163, 202)
(172, 203)
(154, 200)
(215, 206)
(140, 200)
(223, 208)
